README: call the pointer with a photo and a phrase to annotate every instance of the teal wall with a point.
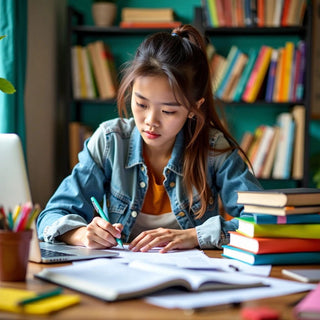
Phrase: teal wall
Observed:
(239, 119)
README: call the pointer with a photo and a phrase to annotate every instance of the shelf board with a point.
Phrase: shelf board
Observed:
(236, 31)
(114, 30)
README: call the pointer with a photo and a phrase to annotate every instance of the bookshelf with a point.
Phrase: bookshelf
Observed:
(242, 116)
(124, 41)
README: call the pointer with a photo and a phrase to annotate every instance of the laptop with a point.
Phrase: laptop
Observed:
(15, 189)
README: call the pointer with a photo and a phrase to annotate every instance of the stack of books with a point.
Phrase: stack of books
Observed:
(148, 18)
(284, 227)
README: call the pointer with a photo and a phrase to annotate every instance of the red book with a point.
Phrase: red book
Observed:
(273, 245)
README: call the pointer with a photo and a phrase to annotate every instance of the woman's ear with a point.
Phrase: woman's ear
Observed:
(200, 102)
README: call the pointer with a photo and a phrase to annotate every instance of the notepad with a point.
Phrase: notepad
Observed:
(304, 275)
(9, 298)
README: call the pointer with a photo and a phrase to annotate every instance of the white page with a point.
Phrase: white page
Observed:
(191, 300)
(194, 277)
(190, 259)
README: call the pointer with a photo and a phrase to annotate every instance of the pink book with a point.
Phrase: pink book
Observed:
(309, 307)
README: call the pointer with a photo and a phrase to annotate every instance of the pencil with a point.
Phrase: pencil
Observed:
(41, 296)
(103, 216)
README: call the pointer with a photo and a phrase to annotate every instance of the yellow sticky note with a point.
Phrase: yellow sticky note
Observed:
(9, 298)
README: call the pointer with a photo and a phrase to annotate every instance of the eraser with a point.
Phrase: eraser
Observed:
(259, 313)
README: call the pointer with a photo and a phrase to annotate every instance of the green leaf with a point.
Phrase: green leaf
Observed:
(6, 86)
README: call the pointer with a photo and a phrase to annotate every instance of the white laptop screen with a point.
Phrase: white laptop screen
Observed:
(14, 186)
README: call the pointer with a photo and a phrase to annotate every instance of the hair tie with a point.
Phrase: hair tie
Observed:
(174, 34)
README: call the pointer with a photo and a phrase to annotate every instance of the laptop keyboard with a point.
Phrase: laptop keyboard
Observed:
(49, 253)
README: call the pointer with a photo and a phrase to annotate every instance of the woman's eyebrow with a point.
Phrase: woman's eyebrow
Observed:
(171, 104)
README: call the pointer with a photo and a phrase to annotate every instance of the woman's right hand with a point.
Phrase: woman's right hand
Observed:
(98, 234)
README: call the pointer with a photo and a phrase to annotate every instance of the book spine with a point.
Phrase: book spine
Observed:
(271, 75)
(252, 56)
(257, 75)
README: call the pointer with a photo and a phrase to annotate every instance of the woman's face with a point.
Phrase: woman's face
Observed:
(158, 115)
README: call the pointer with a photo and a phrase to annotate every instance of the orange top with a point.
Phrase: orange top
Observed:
(156, 201)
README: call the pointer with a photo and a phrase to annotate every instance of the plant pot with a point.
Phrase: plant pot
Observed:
(104, 13)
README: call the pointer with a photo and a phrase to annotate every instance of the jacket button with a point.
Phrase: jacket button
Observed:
(134, 214)
(142, 184)
(210, 200)
(142, 168)
(181, 214)
(172, 184)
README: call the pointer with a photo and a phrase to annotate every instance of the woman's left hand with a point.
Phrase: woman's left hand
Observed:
(167, 238)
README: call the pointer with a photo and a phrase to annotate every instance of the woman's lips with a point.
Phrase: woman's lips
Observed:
(151, 135)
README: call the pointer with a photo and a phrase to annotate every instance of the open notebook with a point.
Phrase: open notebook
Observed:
(15, 189)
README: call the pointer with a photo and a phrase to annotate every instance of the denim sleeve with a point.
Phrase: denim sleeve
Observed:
(232, 176)
(70, 206)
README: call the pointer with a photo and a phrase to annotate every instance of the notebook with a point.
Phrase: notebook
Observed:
(15, 189)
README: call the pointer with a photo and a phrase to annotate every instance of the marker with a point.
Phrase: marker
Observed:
(41, 296)
(103, 215)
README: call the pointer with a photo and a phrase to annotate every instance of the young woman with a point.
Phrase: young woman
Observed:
(160, 172)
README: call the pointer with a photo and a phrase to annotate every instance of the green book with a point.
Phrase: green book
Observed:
(252, 56)
(248, 227)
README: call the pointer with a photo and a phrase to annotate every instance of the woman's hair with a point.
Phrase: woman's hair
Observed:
(181, 57)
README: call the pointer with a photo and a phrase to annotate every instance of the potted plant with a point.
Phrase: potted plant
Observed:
(5, 85)
(104, 12)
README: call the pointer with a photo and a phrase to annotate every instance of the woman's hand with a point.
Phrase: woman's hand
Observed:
(98, 234)
(167, 238)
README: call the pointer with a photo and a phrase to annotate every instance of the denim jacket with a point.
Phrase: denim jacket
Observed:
(111, 168)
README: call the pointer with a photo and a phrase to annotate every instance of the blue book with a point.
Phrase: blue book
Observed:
(287, 219)
(271, 75)
(252, 56)
(284, 258)
(231, 59)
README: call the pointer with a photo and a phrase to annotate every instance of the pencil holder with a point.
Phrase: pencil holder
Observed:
(14, 254)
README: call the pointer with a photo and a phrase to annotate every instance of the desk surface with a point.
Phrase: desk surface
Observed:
(91, 308)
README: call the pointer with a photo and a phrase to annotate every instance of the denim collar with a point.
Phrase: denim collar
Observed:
(135, 152)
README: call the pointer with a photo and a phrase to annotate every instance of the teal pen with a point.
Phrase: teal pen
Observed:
(103, 215)
(41, 296)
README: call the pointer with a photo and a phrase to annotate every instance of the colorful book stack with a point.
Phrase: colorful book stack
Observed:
(283, 228)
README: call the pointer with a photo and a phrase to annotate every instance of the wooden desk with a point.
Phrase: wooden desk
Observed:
(91, 308)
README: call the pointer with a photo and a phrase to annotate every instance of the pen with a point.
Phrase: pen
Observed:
(103, 215)
(41, 296)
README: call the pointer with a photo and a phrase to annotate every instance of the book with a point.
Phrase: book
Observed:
(271, 75)
(304, 275)
(234, 77)
(88, 74)
(248, 227)
(299, 115)
(112, 280)
(252, 56)
(277, 82)
(283, 157)
(263, 149)
(281, 197)
(132, 14)
(257, 75)
(231, 59)
(75, 73)
(284, 258)
(212, 13)
(286, 72)
(102, 72)
(309, 306)
(282, 211)
(10, 297)
(299, 90)
(269, 161)
(260, 245)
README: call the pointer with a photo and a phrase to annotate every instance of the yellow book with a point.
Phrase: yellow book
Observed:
(83, 88)
(287, 72)
(10, 297)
